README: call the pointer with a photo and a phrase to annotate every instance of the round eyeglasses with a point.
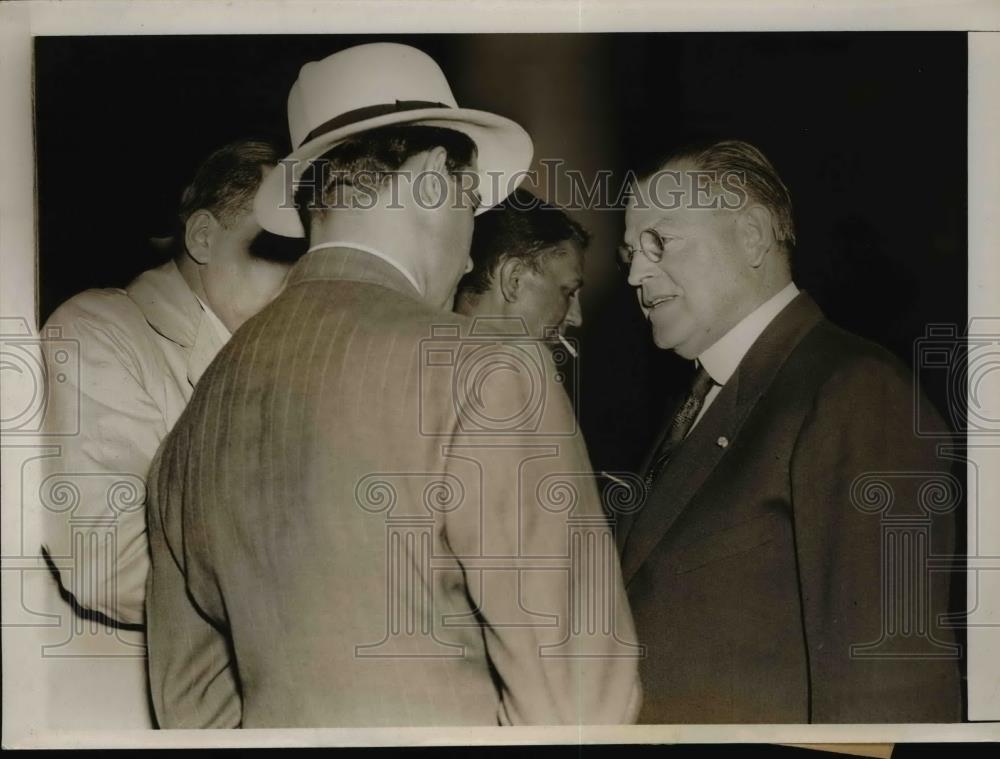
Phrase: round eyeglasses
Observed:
(651, 245)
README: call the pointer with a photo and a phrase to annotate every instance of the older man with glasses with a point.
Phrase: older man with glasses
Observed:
(754, 569)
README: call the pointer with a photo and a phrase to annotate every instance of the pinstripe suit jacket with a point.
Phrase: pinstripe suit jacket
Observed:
(324, 518)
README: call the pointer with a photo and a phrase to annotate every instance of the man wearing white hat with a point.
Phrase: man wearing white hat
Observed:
(363, 515)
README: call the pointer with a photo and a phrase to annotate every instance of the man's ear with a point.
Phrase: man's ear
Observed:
(509, 275)
(199, 232)
(432, 178)
(757, 233)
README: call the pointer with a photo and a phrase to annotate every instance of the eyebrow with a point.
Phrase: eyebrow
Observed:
(664, 221)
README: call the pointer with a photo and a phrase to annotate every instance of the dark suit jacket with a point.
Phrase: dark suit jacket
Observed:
(760, 558)
(332, 530)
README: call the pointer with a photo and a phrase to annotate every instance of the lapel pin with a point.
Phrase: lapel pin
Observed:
(722, 442)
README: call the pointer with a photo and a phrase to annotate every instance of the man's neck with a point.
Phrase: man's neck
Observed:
(388, 258)
(394, 244)
(378, 228)
(191, 272)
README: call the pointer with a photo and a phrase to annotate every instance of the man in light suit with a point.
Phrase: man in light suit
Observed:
(352, 525)
(757, 570)
(142, 349)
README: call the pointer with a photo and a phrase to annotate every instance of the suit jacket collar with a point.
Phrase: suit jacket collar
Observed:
(714, 435)
(352, 265)
(172, 310)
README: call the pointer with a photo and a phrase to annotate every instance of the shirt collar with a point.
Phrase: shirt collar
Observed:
(721, 359)
(221, 329)
(372, 251)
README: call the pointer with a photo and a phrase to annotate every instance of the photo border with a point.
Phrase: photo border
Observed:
(20, 22)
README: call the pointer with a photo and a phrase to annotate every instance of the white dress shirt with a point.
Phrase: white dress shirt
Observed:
(724, 355)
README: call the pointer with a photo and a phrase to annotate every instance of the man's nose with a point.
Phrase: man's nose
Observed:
(640, 268)
(574, 316)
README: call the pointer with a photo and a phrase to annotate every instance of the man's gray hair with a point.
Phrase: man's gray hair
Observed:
(226, 182)
(758, 177)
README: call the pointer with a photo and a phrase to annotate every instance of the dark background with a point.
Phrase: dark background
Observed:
(867, 129)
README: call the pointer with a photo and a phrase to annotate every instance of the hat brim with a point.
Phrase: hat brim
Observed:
(504, 152)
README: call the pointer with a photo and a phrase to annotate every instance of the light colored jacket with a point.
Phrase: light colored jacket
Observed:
(141, 350)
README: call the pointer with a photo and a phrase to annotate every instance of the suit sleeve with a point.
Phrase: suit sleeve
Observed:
(192, 679)
(538, 482)
(853, 584)
(119, 427)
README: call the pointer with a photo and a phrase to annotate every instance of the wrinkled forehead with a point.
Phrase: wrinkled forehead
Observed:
(676, 191)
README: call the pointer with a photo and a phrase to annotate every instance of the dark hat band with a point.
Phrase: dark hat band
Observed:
(368, 112)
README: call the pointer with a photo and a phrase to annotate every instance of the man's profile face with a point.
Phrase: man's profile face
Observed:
(549, 299)
(699, 289)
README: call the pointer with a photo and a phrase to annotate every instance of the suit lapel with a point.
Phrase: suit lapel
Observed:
(689, 467)
(625, 521)
(716, 433)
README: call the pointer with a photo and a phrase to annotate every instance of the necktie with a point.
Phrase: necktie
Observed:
(681, 424)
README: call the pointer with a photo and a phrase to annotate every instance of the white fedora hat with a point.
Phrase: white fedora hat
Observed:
(371, 86)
